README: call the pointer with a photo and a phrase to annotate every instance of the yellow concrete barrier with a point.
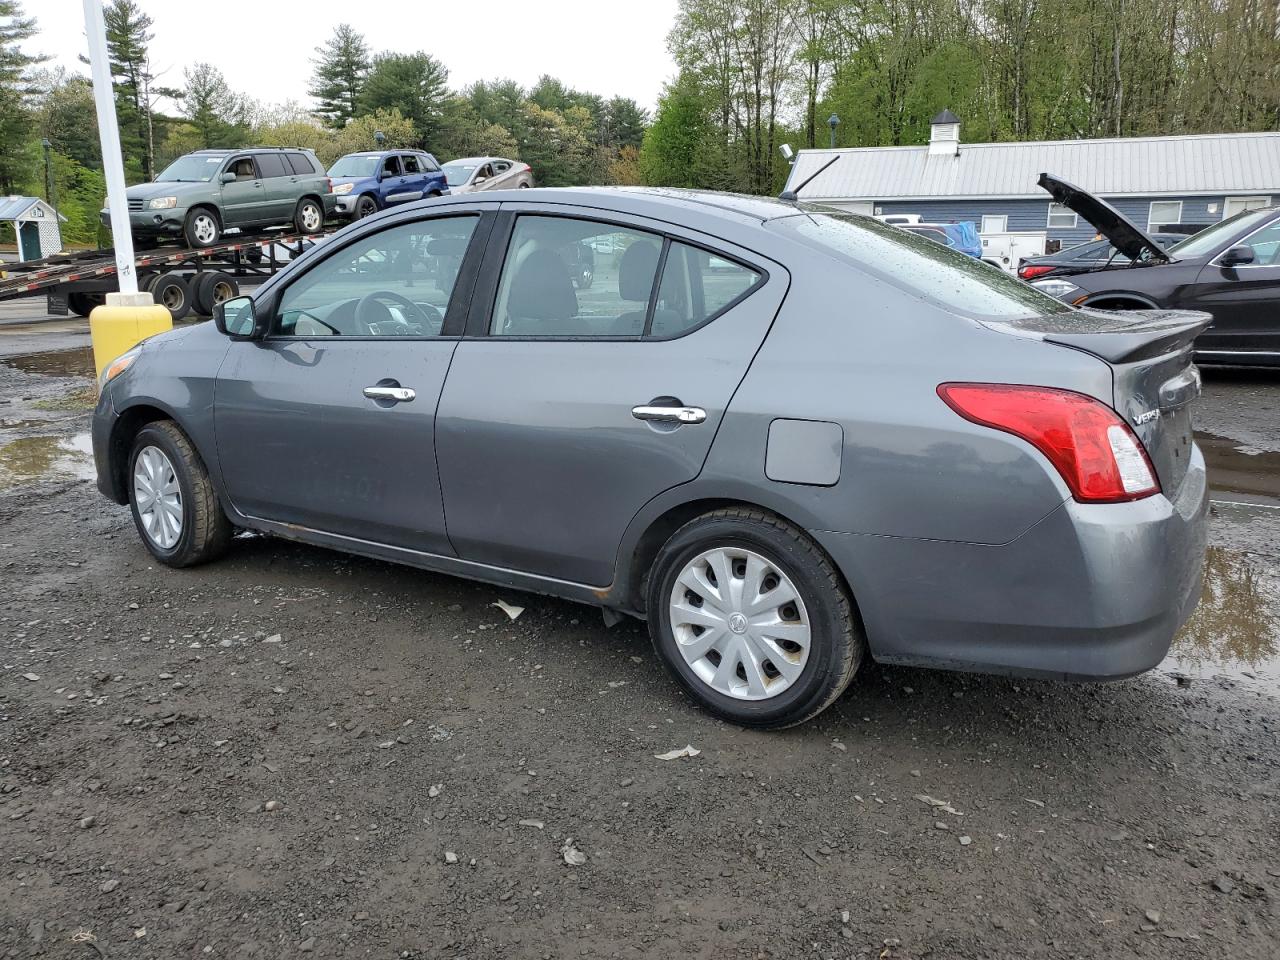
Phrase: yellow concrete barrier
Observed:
(122, 322)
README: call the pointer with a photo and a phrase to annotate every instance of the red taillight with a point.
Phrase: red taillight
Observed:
(1029, 271)
(1099, 457)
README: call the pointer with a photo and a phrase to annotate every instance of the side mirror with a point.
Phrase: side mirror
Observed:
(480, 180)
(1237, 256)
(228, 177)
(237, 319)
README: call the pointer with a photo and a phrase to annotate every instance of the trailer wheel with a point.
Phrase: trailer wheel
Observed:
(308, 216)
(82, 304)
(210, 288)
(171, 291)
(201, 228)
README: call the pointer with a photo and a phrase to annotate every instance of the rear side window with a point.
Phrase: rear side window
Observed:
(954, 281)
(301, 165)
(429, 163)
(696, 285)
(272, 165)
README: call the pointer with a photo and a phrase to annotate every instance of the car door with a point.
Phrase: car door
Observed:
(483, 172)
(502, 178)
(243, 199)
(1244, 298)
(414, 181)
(329, 422)
(391, 182)
(278, 191)
(565, 409)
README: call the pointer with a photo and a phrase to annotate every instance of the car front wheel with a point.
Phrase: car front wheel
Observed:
(174, 505)
(752, 619)
(366, 206)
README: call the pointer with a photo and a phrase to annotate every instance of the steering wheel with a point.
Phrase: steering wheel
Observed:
(371, 311)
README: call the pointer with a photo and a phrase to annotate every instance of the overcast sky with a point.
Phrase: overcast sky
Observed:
(264, 47)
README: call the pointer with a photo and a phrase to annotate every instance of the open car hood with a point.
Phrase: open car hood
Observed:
(1135, 244)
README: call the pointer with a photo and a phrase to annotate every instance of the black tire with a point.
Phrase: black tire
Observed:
(308, 216)
(80, 304)
(210, 288)
(366, 206)
(146, 281)
(172, 292)
(206, 531)
(202, 227)
(837, 644)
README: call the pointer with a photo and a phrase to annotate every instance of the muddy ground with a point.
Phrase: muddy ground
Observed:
(295, 753)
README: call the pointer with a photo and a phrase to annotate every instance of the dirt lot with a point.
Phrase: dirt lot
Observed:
(297, 753)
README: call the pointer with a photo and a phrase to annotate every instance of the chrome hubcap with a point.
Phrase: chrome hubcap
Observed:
(158, 497)
(740, 624)
(205, 229)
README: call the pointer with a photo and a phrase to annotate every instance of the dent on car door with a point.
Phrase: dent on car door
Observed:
(567, 409)
(329, 422)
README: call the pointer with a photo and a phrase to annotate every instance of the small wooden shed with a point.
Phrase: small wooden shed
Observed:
(36, 224)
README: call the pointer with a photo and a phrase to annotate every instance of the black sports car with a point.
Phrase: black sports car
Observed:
(1230, 270)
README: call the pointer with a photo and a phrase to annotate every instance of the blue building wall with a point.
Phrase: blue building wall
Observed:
(1033, 215)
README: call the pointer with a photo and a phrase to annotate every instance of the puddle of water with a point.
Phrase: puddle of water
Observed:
(1235, 630)
(54, 363)
(38, 458)
(1233, 470)
(43, 327)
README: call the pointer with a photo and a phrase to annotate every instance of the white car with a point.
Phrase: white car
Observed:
(470, 174)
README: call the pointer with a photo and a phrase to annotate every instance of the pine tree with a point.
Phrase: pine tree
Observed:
(416, 84)
(15, 91)
(340, 70)
(218, 114)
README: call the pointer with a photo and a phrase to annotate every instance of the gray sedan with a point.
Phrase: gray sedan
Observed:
(790, 439)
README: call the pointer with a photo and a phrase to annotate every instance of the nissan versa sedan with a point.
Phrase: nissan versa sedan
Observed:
(789, 439)
(1231, 270)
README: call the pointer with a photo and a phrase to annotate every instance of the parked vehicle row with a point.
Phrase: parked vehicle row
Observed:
(1231, 270)
(201, 195)
(992, 481)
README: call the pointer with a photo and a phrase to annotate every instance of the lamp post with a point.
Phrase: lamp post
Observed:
(379, 138)
(50, 195)
(833, 121)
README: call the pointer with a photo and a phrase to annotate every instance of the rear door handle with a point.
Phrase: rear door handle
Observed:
(670, 414)
(398, 394)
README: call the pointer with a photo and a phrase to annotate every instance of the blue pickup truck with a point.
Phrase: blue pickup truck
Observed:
(365, 183)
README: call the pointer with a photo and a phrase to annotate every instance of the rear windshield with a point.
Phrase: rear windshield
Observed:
(952, 280)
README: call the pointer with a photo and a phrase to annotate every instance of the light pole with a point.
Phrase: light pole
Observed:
(127, 317)
(833, 121)
(379, 138)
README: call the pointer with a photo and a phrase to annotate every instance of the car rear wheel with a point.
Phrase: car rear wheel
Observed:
(308, 217)
(173, 293)
(173, 502)
(366, 206)
(201, 228)
(752, 619)
(210, 288)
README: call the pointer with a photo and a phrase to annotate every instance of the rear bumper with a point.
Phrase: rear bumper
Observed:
(1091, 592)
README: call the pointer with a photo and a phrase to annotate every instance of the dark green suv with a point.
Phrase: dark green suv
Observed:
(200, 195)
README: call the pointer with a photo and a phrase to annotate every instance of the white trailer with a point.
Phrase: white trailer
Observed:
(1007, 250)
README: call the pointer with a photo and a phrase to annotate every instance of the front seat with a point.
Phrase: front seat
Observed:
(541, 301)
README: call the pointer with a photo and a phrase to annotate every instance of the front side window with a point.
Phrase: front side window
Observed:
(1265, 245)
(575, 278)
(243, 168)
(696, 285)
(391, 167)
(394, 283)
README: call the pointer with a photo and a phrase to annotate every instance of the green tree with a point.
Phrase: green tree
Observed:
(16, 119)
(65, 114)
(128, 36)
(674, 145)
(626, 122)
(340, 68)
(216, 112)
(415, 84)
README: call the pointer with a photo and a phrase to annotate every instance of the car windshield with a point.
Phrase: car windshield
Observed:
(456, 174)
(354, 165)
(194, 168)
(954, 281)
(1209, 239)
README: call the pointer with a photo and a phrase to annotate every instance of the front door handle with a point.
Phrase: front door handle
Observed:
(670, 414)
(397, 394)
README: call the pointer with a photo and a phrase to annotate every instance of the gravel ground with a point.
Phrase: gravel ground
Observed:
(293, 752)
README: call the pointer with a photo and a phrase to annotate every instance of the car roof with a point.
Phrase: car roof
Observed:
(663, 203)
